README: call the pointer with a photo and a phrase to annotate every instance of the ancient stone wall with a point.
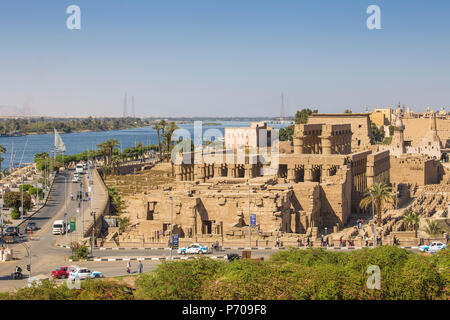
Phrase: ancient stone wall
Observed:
(359, 122)
(417, 128)
(415, 169)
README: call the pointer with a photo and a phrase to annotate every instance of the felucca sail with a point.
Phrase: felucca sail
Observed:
(59, 144)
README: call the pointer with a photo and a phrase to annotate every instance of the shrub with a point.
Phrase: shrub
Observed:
(177, 280)
(15, 214)
(79, 251)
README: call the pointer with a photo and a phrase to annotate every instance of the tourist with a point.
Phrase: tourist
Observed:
(327, 243)
(321, 240)
(128, 267)
(307, 241)
(298, 241)
(367, 241)
(341, 242)
(446, 237)
(277, 242)
(395, 240)
(140, 266)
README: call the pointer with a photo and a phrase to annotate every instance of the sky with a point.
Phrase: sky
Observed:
(223, 58)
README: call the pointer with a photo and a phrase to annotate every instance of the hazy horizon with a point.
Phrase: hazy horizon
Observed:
(222, 58)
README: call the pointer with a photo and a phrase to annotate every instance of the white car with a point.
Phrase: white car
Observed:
(84, 273)
(433, 247)
(75, 179)
(193, 248)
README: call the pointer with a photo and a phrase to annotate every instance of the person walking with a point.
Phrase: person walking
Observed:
(128, 267)
(140, 266)
(298, 241)
(321, 240)
(340, 242)
(367, 241)
(327, 243)
(277, 242)
(395, 240)
(446, 237)
(307, 242)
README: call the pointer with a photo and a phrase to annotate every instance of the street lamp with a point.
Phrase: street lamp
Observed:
(373, 218)
(170, 236)
(29, 255)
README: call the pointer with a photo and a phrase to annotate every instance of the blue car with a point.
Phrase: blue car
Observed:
(193, 248)
(433, 247)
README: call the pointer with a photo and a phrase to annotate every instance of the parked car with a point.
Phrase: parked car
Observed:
(31, 226)
(75, 179)
(11, 231)
(433, 247)
(84, 273)
(63, 272)
(193, 248)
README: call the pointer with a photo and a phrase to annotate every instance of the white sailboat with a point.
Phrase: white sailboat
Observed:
(60, 147)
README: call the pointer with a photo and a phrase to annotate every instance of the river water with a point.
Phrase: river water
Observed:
(24, 148)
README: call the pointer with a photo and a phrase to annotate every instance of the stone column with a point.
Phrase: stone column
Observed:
(326, 144)
(298, 145)
(308, 172)
(291, 174)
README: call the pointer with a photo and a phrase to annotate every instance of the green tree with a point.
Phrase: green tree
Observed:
(171, 127)
(2, 150)
(286, 134)
(13, 199)
(432, 228)
(382, 195)
(376, 133)
(302, 116)
(411, 220)
(157, 127)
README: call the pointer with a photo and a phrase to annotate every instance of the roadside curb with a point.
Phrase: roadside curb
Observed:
(241, 248)
(142, 259)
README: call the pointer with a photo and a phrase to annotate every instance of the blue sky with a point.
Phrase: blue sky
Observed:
(223, 58)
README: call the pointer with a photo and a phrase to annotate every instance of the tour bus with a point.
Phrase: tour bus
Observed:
(79, 168)
(59, 227)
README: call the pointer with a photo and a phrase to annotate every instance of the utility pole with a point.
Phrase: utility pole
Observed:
(21, 213)
(249, 220)
(65, 201)
(171, 214)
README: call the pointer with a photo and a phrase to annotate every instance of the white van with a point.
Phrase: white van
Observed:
(79, 168)
(59, 227)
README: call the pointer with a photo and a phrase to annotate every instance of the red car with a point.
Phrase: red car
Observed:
(62, 272)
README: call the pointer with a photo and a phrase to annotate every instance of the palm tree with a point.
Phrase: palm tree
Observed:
(157, 127)
(163, 124)
(382, 195)
(2, 150)
(432, 228)
(115, 161)
(111, 144)
(412, 220)
(171, 127)
(103, 151)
